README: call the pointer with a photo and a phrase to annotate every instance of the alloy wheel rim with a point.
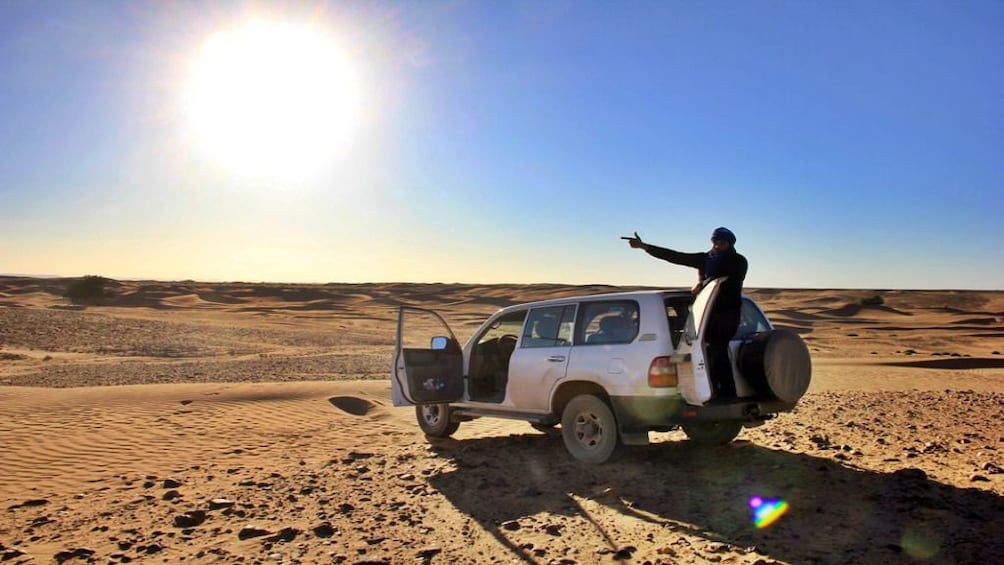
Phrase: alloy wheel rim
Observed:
(587, 430)
(431, 415)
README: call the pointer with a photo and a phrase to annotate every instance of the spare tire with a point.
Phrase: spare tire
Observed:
(777, 364)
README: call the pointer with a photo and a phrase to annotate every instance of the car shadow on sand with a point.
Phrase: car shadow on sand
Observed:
(837, 513)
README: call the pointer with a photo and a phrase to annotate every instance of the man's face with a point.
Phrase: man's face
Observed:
(719, 245)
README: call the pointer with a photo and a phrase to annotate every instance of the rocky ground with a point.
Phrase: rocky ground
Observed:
(193, 456)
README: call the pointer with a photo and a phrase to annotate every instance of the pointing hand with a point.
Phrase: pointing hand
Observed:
(635, 242)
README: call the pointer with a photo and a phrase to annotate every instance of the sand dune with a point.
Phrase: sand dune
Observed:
(233, 422)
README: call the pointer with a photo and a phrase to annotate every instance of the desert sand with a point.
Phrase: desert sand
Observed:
(251, 423)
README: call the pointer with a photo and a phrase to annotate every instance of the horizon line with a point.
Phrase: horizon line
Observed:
(444, 283)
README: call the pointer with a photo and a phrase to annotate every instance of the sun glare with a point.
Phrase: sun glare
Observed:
(270, 99)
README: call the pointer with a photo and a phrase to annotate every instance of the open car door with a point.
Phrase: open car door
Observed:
(428, 361)
(696, 389)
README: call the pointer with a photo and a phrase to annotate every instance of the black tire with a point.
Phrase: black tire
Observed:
(435, 421)
(712, 433)
(777, 363)
(589, 429)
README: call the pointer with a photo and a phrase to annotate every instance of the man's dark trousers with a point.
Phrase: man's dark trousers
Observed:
(721, 328)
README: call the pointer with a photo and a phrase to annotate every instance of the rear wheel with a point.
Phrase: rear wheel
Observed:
(435, 421)
(589, 429)
(712, 433)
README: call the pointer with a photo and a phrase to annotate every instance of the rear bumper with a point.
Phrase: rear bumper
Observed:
(642, 413)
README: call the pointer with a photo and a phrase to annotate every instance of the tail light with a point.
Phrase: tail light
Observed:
(662, 373)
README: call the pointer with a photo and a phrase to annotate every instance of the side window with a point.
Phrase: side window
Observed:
(751, 320)
(549, 327)
(612, 321)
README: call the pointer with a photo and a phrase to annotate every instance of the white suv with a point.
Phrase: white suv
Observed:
(609, 368)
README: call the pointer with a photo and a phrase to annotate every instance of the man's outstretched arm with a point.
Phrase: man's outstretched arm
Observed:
(695, 260)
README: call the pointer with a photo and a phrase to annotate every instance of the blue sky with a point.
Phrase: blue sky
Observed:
(847, 144)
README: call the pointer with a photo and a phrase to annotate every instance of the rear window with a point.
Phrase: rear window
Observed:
(677, 312)
(606, 322)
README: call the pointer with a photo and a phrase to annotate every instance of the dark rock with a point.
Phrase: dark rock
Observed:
(286, 535)
(716, 547)
(74, 553)
(8, 553)
(249, 532)
(29, 503)
(428, 553)
(821, 441)
(992, 468)
(978, 478)
(354, 456)
(511, 525)
(190, 519)
(324, 530)
(171, 483)
(171, 495)
(625, 553)
(153, 548)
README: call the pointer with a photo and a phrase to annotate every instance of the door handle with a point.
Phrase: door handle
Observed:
(556, 358)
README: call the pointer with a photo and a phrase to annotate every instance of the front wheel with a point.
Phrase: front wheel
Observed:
(435, 421)
(712, 433)
(589, 429)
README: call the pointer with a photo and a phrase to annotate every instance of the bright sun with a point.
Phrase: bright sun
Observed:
(272, 100)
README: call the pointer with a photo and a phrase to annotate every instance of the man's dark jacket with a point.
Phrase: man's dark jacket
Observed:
(712, 266)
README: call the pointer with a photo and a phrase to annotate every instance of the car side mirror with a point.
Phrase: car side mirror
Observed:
(439, 342)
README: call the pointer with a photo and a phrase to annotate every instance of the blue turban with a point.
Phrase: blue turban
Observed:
(724, 234)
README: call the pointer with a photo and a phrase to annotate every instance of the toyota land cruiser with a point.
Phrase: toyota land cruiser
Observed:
(608, 368)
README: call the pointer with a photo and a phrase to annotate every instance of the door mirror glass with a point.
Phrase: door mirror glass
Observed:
(439, 342)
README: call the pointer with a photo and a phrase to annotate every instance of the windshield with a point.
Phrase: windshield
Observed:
(510, 324)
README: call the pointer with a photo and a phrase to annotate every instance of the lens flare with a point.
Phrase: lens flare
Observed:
(767, 511)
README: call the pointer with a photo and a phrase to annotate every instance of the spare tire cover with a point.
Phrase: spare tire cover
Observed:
(777, 363)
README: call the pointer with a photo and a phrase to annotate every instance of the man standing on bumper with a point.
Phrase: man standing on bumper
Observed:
(721, 261)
